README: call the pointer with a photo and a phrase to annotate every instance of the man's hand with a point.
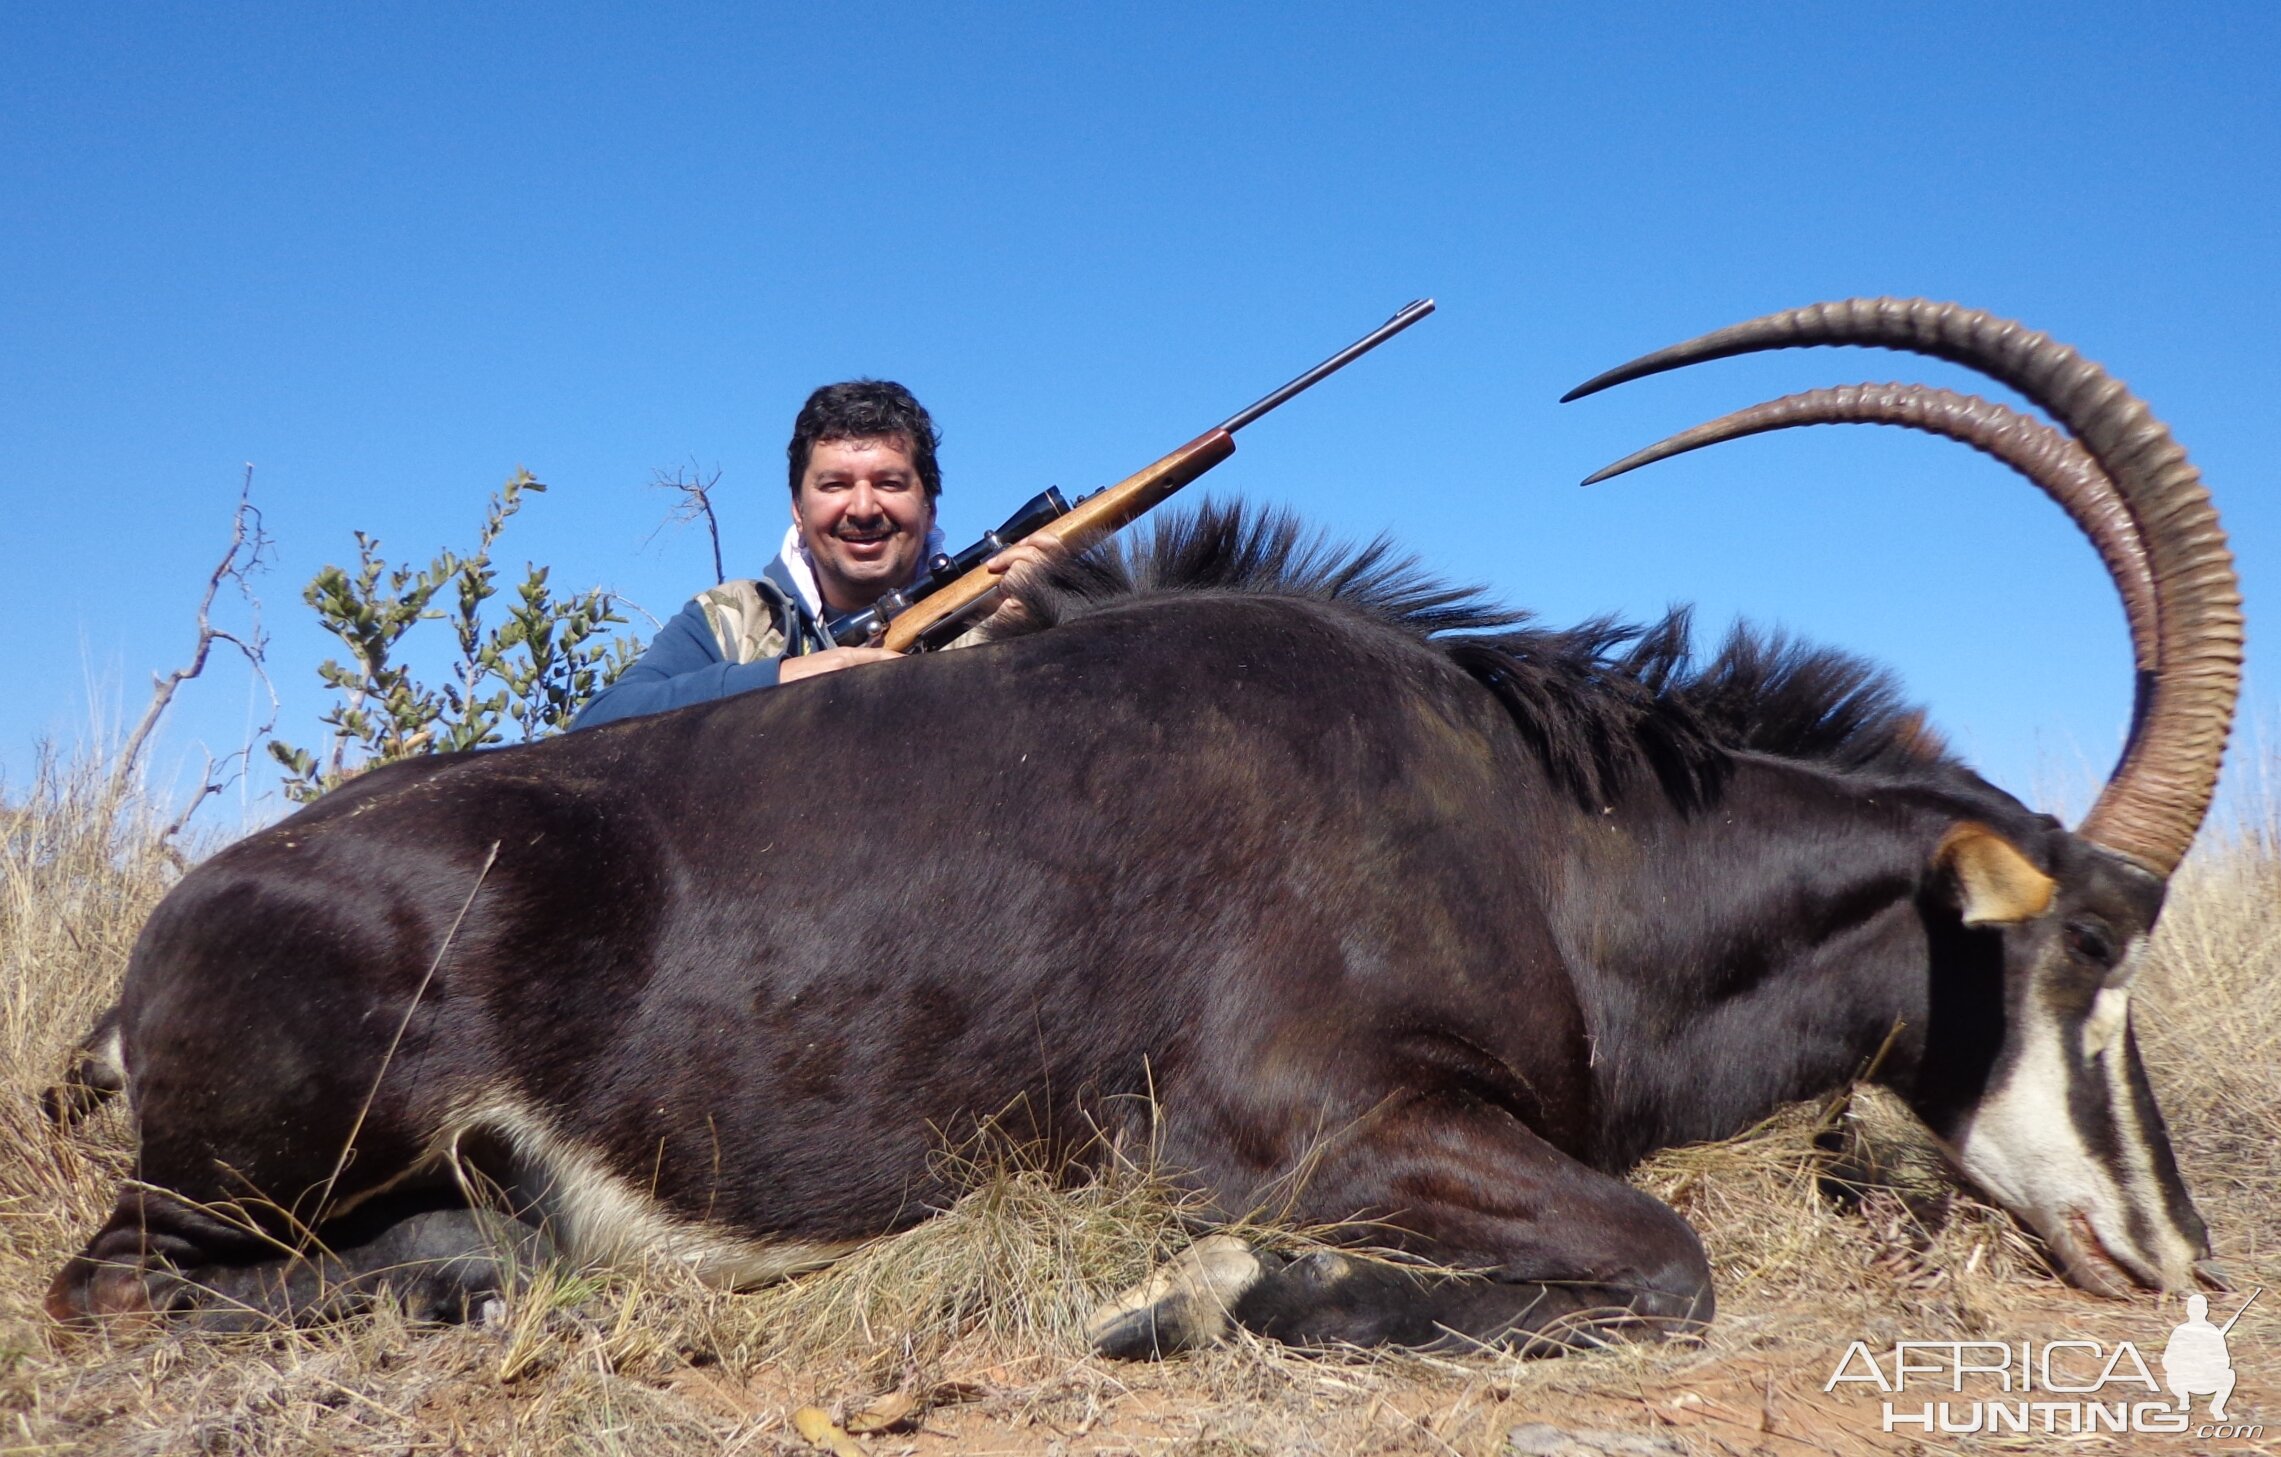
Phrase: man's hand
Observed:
(830, 660)
(1014, 564)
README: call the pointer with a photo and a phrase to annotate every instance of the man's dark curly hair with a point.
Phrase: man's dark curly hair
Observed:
(865, 409)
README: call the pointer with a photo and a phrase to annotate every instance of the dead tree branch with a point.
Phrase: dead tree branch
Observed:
(696, 504)
(248, 549)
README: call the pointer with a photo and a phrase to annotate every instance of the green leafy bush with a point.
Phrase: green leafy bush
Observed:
(515, 680)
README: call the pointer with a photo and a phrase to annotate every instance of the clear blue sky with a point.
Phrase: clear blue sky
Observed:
(388, 254)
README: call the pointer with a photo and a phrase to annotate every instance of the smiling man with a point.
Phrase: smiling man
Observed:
(864, 482)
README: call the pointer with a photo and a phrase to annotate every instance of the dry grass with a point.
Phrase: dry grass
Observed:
(963, 1334)
(79, 874)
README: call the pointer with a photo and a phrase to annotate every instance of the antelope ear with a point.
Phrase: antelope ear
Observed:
(1996, 884)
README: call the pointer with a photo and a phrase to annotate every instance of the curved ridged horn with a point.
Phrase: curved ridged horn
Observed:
(2059, 467)
(2155, 800)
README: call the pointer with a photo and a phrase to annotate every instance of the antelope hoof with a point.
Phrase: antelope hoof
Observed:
(1183, 1305)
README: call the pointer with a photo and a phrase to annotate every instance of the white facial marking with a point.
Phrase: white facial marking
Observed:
(2023, 1146)
(2103, 1028)
(2127, 965)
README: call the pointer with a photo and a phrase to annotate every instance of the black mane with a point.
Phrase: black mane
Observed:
(1601, 701)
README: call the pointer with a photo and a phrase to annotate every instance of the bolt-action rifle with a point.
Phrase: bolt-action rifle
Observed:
(957, 588)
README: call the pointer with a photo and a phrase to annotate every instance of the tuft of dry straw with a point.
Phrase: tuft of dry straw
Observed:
(81, 868)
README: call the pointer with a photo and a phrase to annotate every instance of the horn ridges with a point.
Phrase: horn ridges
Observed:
(2059, 467)
(2156, 798)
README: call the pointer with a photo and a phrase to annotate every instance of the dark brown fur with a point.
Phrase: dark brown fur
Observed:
(1341, 868)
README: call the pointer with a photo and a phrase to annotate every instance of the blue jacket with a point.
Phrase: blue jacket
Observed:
(685, 664)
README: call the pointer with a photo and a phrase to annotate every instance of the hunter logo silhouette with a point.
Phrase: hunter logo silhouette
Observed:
(2196, 1362)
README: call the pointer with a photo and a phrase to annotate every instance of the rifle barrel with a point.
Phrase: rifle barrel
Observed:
(943, 605)
(1409, 315)
(2245, 1305)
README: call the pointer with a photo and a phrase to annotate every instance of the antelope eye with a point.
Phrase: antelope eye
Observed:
(2090, 942)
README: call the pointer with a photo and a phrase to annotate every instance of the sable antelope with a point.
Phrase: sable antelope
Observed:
(1315, 863)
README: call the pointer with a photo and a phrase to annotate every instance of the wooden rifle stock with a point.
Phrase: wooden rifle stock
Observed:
(1103, 512)
(1088, 521)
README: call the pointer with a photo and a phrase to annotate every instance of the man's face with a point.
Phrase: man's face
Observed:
(864, 516)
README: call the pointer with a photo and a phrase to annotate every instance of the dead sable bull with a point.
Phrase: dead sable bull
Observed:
(1337, 868)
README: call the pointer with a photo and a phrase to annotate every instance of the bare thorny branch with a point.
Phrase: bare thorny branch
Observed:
(696, 504)
(249, 547)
